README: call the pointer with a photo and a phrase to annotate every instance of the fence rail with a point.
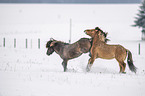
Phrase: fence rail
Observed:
(36, 43)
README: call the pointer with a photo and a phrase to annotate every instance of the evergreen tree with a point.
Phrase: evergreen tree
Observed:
(140, 20)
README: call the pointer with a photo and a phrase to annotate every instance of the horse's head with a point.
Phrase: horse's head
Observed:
(50, 47)
(92, 32)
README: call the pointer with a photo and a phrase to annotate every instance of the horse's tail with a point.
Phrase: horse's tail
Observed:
(130, 62)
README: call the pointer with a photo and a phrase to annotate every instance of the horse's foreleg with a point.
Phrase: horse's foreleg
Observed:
(90, 63)
(64, 64)
(90, 54)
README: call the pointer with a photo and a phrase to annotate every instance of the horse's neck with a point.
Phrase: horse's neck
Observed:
(97, 41)
(59, 47)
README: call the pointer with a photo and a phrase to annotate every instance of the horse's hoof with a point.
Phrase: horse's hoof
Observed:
(65, 70)
(123, 72)
(87, 69)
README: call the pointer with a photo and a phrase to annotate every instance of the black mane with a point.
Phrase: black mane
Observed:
(105, 33)
(60, 42)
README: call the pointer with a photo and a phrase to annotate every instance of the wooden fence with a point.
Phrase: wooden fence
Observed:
(26, 43)
(38, 45)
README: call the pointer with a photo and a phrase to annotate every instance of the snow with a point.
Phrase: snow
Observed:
(30, 72)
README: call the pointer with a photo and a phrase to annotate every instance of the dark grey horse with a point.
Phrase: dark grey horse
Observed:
(68, 51)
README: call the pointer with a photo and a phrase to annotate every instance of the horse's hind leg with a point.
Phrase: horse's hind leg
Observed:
(122, 66)
(64, 64)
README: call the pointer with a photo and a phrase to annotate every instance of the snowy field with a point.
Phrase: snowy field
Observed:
(30, 72)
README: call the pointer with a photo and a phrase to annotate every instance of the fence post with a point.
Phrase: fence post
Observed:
(31, 43)
(139, 48)
(38, 43)
(70, 31)
(26, 43)
(4, 41)
(14, 42)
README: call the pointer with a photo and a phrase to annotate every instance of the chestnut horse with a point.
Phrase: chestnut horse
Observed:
(69, 51)
(102, 50)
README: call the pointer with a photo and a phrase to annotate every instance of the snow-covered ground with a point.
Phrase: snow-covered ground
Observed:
(30, 72)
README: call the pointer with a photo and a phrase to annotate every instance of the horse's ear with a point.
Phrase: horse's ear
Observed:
(96, 28)
(51, 39)
(47, 44)
(52, 43)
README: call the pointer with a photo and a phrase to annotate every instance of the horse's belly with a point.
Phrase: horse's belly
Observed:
(106, 53)
(70, 54)
(106, 56)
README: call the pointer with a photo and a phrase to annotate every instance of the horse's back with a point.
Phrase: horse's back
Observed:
(121, 52)
(76, 49)
(84, 44)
